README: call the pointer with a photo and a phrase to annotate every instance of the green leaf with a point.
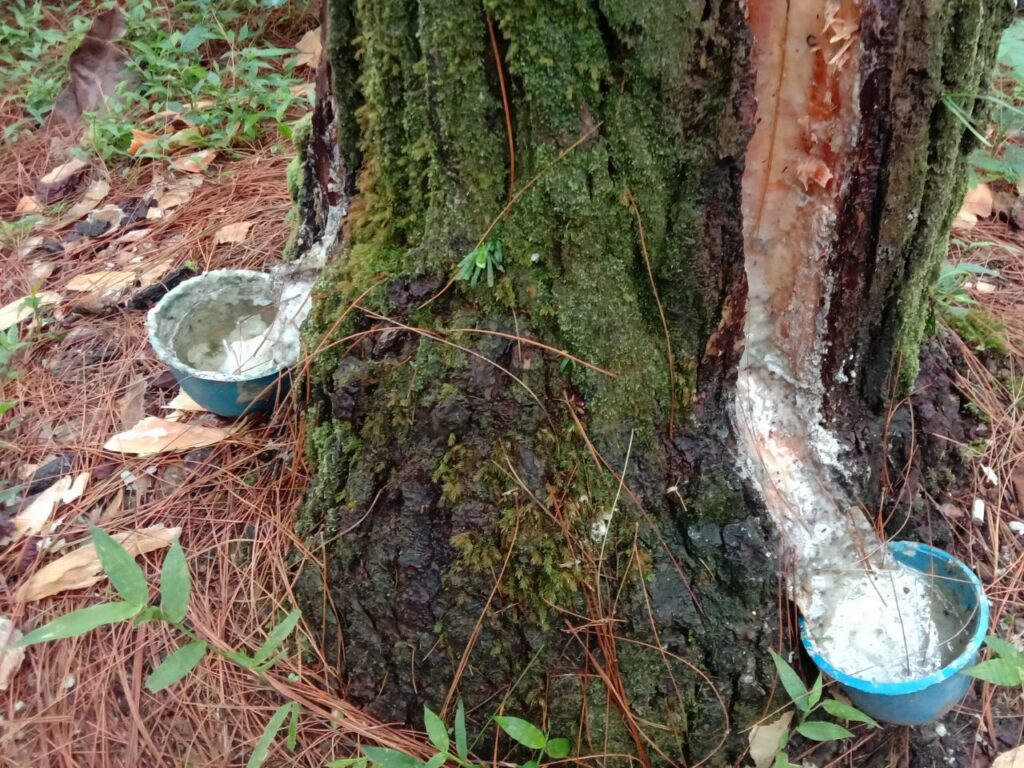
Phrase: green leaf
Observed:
(79, 622)
(782, 761)
(461, 743)
(436, 730)
(175, 585)
(530, 764)
(293, 728)
(390, 758)
(792, 683)
(821, 730)
(1006, 650)
(522, 732)
(348, 762)
(277, 636)
(122, 570)
(1011, 49)
(815, 695)
(176, 666)
(195, 37)
(259, 754)
(1005, 672)
(557, 748)
(848, 712)
(437, 760)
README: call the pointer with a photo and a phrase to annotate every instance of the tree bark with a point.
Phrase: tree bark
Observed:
(527, 495)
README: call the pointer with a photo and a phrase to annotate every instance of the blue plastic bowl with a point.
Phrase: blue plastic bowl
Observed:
(916, 702)
(185, 308)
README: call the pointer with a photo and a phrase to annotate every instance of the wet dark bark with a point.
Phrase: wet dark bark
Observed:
(463, 478)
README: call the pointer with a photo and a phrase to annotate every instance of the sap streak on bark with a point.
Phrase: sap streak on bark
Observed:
(806, 57)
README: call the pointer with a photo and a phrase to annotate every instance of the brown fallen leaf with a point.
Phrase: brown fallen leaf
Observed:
(150, 272)
(155, 435)
(29, 204)
(21, 309)
(81, 568)
(139, 140)
(101, 282)
(177, 194)
(309, 50)
(182, 402)
(93, 196)
(96, 68)
(57, 182)
(39, 272)
(977, 205)
(31, 520)
(11, 654)
(1012, 759)
(130, 405)
(197, 162)
(112, 215)
(232, 233)
(765, 739)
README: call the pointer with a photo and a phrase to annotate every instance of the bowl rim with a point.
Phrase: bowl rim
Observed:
(166, 354)
(903, 688)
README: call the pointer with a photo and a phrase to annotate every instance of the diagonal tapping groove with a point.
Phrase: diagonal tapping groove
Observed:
(806, 57)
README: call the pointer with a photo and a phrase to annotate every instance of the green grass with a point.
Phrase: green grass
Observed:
(206, 60)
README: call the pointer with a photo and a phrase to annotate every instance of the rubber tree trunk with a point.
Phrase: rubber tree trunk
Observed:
(527, 491)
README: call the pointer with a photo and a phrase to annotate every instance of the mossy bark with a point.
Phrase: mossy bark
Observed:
(499, 521)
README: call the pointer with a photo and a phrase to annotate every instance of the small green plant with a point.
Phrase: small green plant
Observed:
(807, 702)
(950, 289)
(520, 731)
(227, 98)
(133, 604)
(1005, 668)
(484, 259)
(11, 344)
(35, 41)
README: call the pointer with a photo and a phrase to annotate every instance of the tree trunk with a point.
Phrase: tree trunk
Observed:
(528, 494)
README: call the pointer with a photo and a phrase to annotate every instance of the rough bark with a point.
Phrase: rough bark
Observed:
(465, 478)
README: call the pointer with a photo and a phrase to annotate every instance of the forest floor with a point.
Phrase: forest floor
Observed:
(78, 369)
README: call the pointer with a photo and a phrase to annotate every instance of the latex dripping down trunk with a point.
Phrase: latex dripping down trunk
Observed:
(806, 56)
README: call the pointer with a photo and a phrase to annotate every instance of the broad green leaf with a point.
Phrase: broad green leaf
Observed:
(791, 681)
(259, 754)
(195, 37)
(461, 743)
(782, 761)
(277, 636)
(1011, 49)
(821, 730)
(175, 585)
(437, 760)
(557, 748)
(522, 732)
(348, 762)
(530, 764)
(1005, 649)
(293, 728)
(848, 712)
(81, 621)
(176, 666)
(122, 570)
(390, 758)
(999, 671)
(815, 696)
(436, 730)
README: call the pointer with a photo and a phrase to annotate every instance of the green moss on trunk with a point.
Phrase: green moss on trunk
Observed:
(449, 461)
